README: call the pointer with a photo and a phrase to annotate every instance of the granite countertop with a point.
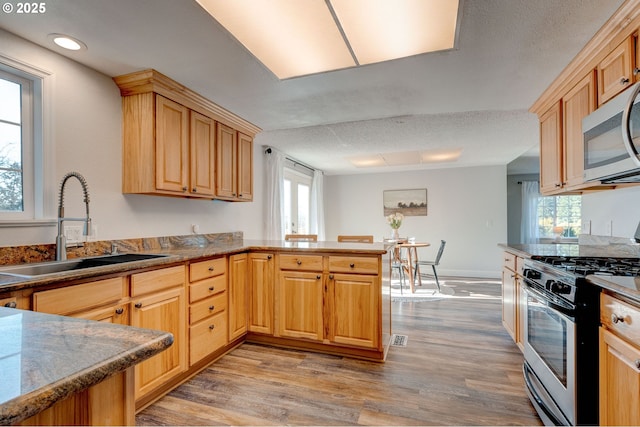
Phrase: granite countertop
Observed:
(179, 254)
(628, 287)
(45, 358)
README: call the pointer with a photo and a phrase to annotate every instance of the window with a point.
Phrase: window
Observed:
(560, 216)
(22, 152)
(297, 198)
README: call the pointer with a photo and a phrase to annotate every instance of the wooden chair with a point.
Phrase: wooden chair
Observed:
(356, 239)
(301, 237)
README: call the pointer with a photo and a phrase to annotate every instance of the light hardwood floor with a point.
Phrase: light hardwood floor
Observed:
(459, 368)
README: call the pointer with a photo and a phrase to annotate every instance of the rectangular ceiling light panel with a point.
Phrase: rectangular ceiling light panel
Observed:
(290, 37)
(380, 30)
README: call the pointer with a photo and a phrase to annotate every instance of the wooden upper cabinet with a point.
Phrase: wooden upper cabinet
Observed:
(576, 104)
(202, 143)
(615, 71)
(551, 149)
(234, 165)
(172, 146)
(177, 143)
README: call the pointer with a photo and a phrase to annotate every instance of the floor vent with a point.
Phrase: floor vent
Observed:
(399, 340)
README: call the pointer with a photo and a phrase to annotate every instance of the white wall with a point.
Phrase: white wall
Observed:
(620, 207)
(87, 137)
(467, 207)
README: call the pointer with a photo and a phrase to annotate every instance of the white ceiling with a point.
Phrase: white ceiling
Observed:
(474, 97)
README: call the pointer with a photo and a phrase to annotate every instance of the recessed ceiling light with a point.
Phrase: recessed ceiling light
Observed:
(67, 42)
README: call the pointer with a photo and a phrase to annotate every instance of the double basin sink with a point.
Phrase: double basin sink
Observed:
(51, 267)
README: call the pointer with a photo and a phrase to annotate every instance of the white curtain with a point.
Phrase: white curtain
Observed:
(274, 197)
(529, 231)
(317, 205)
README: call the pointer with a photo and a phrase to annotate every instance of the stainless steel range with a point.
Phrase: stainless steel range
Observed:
(561, 336)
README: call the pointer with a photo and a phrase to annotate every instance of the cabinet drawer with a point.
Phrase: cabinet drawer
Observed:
(11, 302)
(509, 261)
(79, 297)
(205, 288)
(620, 317)
(207, 307)
(156, 280)
(301, 262)
(207, 336)
(206, 269)
(351, 264)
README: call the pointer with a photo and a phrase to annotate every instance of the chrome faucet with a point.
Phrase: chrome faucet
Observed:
(61, 240)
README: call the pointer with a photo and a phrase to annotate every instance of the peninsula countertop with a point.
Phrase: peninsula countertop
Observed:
(45, 358)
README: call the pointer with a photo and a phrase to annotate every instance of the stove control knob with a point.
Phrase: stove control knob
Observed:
(616, 319)
(531, 274)
(560, 288)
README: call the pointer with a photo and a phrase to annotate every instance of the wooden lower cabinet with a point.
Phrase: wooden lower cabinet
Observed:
(107, 403)
(619, 362)
(509, 301)
(238, 295)
(163, 310)
(354, 302)
(299, 296)
(261, 293)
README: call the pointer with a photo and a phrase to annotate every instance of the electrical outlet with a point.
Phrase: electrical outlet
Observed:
(586, 227)
(73, 233)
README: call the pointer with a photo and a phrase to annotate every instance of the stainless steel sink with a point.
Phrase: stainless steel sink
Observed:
(40, 269)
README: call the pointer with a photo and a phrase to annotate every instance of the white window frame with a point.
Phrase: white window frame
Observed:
(296, 177)
(37, 146)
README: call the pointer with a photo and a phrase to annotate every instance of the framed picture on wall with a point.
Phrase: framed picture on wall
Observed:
(407, 202)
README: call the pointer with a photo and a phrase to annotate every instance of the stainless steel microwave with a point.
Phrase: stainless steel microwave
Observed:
(612, 140)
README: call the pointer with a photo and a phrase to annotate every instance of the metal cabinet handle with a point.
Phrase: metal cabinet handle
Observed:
(352, 265)
(617, 319)
(120, 310)
(637, 363)
(211, 288)
(636, 71)
(558, 185)
(11, 304)
(138, 305)
(299, 262)
(318, 277)
(269, 256)
(194, 190)
(331, 276)
(239, 195)
(211, 307)
(184, 188)
(624, 80)
(211, 327)
(210, 269)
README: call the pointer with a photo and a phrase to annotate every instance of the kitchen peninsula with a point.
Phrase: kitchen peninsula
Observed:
(221, 290)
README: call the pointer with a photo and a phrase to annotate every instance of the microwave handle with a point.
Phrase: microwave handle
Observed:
(626, 126)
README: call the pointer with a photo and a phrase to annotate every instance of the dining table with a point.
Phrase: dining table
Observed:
(406, 254)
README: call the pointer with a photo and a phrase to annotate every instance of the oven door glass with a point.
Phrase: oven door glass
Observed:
(547, 335)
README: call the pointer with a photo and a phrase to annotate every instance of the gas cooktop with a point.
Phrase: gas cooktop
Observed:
(583, 266)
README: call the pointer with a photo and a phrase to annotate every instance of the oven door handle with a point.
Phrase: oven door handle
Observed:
(567, 311)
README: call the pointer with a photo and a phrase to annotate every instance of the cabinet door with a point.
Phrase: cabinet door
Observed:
(172, 145)
(551, 150)
(163, 311)
(202, 142)
(619, 381)
(226, 162)
(245, 167)
(577, 104)
(238, 277)
(354, 310)
(509, 301)
(299, 306)
(261, 280)
(615, 71)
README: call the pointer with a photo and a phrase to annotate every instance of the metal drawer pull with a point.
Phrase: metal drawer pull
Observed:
(210, 268)
(637, 363)
(11, 304)
(211, 327)
(624, 80)
(299, 262)
(318, 277)
(211, 307)
(138, 305)
(119, 310)
(269, 256)
(615, 318)
(211, 288)
(352, 265)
